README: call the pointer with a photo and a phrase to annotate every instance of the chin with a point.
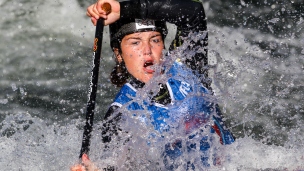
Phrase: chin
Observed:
(145, 79)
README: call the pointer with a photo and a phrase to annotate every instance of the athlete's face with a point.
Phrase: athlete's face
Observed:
(140, 51)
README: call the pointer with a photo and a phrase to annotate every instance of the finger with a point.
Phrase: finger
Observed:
(94, 21)
(77, 168)
(88, 14)
(85, 157)
(85, 160)
(95, 11)
(91, 12)
(87, 163)
(94, 8)
(99, 7)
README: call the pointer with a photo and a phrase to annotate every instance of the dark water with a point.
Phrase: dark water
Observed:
(257, 64)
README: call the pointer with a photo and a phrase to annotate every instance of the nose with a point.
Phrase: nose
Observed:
(147, 48)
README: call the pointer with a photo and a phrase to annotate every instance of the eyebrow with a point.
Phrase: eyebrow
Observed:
(133, 38)
(138, 38)
(155, 35)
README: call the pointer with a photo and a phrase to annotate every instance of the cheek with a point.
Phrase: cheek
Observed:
(132, 60)
(158, 52)
(159, 47)
(130, 52)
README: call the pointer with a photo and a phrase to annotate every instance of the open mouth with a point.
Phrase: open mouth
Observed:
(148, 66)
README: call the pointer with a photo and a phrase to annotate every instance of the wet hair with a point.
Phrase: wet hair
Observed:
(119, 74)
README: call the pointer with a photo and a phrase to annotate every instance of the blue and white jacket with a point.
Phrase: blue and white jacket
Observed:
(182, 102)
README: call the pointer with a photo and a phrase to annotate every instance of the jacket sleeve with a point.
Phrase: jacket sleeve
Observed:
(110, 127)
(187, 15)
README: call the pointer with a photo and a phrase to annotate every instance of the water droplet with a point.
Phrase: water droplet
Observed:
(14, 87)
(3, 101)
(274, 20)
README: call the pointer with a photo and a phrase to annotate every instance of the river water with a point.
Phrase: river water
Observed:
(256, 51)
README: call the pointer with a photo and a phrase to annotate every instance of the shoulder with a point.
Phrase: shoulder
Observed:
(124, 95)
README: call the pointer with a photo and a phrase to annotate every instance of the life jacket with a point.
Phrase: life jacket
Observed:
(193, 110)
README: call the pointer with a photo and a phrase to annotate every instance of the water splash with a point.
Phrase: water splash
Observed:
(257, 81)
(29, 143)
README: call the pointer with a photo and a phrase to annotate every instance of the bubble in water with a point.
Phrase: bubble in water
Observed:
(14, 87)
(274, 20)
(3, 101)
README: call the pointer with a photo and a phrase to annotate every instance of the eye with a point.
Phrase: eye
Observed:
(156, 40)
(135, 42)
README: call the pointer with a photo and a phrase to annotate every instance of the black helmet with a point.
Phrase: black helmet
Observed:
(123, 27)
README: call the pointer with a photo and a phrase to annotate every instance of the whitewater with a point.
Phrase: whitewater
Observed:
(45, 63)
